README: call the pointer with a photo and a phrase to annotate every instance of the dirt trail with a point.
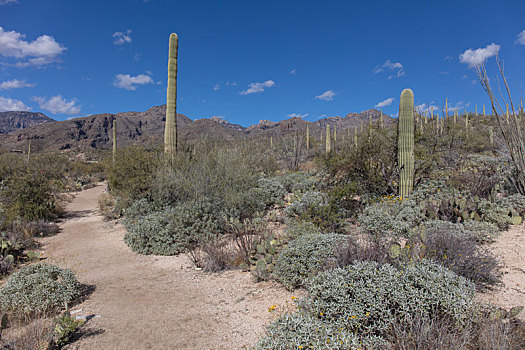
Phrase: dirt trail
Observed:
(510, 248)
(151, 302)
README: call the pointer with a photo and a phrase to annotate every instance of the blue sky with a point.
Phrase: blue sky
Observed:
(248, 60)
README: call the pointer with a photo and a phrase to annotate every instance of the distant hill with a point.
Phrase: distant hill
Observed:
(95, 132)
(16, 120)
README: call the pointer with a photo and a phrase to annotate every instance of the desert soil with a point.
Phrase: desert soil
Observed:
(510, 249)
(154, 302)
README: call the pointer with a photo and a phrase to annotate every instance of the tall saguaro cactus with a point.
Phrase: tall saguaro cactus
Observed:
(406, 142)
(170, 130)
(328, 143)
(114, 140)
(307, 137)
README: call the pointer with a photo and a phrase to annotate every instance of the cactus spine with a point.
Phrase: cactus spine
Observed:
(406, 142)
(327, 144)
(170, 130)
(114, 140)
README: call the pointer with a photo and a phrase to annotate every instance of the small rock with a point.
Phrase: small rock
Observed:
(76, 311)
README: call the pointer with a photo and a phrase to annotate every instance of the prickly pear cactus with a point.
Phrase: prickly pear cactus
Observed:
(263, 258)
(406, 143)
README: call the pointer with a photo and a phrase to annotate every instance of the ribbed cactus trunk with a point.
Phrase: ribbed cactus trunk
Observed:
(355, 136)
(170, 130)
(29, 151)
(271, 142)
(327, 144)
(381, 120)
(483, 110)
(491, 135)
(114, 140)
(406, 142)
(307, 137)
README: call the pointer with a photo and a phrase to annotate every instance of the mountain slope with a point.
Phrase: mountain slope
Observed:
(16, 120)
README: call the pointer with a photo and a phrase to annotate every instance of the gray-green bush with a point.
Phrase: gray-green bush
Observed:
(305, 256)
(39, 288)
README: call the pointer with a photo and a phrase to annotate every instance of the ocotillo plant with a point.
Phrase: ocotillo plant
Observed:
(114, 140)
(327, 145)
(170, 129)
(406, 142)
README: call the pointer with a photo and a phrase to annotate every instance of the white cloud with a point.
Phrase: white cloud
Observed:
(521, 38)
(326, 96)
(392, 67)
(14, 84)
(121, 38)
(231, 83)
(296, 115)
(42, 51)
(424, 107)
(9, 104)
(385, 103)
(258, 87)
(448, 58)
(58, 105)
(216, 87)
(293, 71)
(128, 82)
(7, 2)
(475, 58)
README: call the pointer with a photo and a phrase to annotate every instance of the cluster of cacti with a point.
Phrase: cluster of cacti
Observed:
(264, 257)
(406, 142)
(170, 130)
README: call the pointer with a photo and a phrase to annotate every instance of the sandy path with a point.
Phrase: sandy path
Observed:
(510, 248)
(149, 302)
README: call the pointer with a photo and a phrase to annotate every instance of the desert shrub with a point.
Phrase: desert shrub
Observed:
(367, 248)
(306, 256)
(39, 288)
(314, 206)
(297, 228)
(514, 202)
(270, 191)
(224, 175)
(429, 332)
(495, 213)
(130, 176)
(141, 207)
(366, 299)
(481, 176)
(298, 331)
(461, 254)
(391, 218)
(481, 230)
(174, 230)
(299, 182)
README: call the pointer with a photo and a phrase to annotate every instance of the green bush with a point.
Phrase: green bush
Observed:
(130, 177)
(365, 299)
(298, 331)
(315, 206)
(297, 228)
(174, 230)
(392, 217)
(270, 191)
(306, 256)
(295, 182)
(39, 288)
